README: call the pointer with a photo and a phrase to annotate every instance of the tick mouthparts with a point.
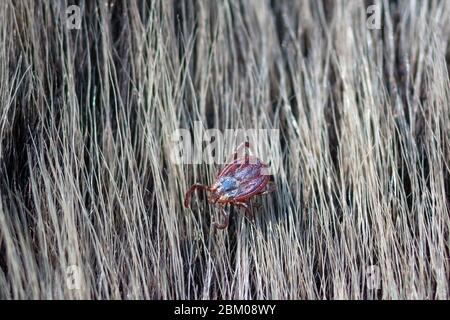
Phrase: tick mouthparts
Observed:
(194, 187)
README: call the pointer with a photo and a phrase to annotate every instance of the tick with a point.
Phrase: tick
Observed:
(237, 182)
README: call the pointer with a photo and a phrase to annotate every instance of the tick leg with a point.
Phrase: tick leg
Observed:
(271, 187)
(256, 205)
(223, 225)
(194, 187)
(239, 149)
(248, 212)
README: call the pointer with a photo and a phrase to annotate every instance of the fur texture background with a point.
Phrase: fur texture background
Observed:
(86, 118)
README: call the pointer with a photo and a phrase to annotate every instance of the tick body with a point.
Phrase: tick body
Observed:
(236, 184)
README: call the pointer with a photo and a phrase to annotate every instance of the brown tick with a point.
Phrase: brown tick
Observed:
(236, 184)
